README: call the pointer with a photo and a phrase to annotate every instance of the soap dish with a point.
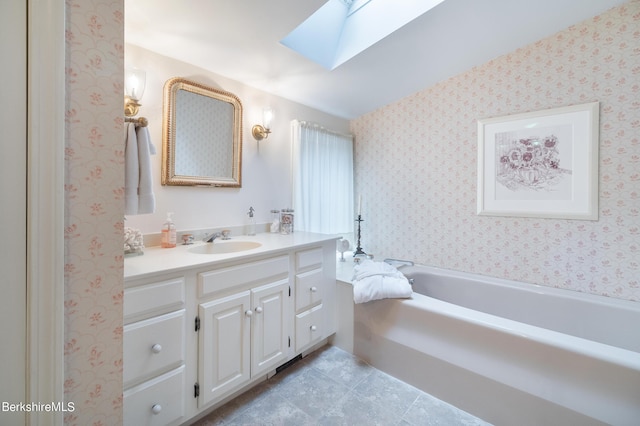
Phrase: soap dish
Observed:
(133, 252)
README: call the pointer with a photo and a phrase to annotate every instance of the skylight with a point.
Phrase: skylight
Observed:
(341, 29)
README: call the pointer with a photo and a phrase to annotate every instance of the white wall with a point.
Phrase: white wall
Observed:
(266, 180)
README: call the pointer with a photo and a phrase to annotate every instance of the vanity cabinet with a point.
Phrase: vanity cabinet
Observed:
(154, 352)
(242, 336)
(193, 340)
(246, 333)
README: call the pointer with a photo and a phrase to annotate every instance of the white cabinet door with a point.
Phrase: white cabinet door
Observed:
(270, 337)
(224, 345)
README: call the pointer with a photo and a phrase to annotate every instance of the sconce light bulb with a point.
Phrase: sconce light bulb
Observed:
(267, 116)
(134, 83)
(261, 132)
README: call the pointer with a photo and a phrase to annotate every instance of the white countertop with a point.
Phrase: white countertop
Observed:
(157, 259)
(344, 270)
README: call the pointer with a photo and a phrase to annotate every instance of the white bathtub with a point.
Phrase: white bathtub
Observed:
(508, 352)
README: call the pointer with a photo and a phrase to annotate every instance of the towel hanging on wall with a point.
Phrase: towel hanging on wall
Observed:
(139, 196)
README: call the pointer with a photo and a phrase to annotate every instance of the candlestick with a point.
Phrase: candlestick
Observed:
(359, 250)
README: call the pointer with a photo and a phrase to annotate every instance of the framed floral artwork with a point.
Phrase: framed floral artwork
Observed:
(540, 164)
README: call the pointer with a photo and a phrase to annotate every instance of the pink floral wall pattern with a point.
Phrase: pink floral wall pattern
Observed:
(416, 164)
(94, 211)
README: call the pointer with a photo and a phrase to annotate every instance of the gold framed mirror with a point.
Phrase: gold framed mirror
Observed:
(201, 135)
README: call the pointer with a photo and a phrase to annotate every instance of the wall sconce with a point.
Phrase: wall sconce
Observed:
(260, 132)
(134, 82)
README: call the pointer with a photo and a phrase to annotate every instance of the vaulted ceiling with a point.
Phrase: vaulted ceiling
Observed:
(240, 39)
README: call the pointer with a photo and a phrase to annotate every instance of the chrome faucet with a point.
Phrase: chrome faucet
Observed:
(398, 262)
(209, 238)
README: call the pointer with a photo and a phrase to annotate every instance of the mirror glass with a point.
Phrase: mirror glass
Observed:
(202, 135)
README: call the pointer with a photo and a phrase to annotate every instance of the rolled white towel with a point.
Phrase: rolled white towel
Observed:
(378, 280)
(369, 268)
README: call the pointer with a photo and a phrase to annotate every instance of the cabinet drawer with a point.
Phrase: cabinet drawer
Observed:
(309, 289)
(153, 346)
(157, 297)
(308, 259)
(159, 401)
(309, 327)
(254, 272)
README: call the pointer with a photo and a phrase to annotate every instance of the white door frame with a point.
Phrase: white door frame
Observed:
(45, 207)
(13, 189)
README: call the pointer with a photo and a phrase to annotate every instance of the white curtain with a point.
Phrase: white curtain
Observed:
(322, 179)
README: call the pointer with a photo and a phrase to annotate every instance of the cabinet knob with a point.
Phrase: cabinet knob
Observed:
(156, 348)
(156, 409)
(259, 310)
(314, 289)
(313, 328)
(249, 312)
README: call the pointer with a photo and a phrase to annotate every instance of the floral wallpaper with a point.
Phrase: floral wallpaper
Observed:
(94, 189)
(416, 164)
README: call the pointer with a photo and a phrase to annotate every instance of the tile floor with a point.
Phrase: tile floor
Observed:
(332, 387)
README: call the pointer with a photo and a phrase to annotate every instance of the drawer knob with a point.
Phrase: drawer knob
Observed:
(156, 409)
(249, 312)
(313, 328)
(156, 349)
(314, 289)
(259, 310)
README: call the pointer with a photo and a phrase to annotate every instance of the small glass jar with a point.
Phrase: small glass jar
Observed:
(286, 221)
(275, 221)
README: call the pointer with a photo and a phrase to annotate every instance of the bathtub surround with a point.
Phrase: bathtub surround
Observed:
(416, 160)
(508, 352)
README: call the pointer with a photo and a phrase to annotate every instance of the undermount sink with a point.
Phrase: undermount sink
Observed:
(220, 247)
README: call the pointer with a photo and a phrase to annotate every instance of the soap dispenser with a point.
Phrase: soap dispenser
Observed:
(252, 222)
(168, 233)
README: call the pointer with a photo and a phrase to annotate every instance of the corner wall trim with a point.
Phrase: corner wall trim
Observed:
(45, 207)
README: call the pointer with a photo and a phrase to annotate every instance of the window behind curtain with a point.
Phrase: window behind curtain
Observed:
(322, 179)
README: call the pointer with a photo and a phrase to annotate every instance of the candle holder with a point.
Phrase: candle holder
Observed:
(359, 250)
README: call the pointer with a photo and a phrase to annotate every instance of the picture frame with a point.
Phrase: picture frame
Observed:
(541, 164)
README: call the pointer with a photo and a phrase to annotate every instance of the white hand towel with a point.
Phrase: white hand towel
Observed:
(131, 170)
(378, 280)
(146, 198)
